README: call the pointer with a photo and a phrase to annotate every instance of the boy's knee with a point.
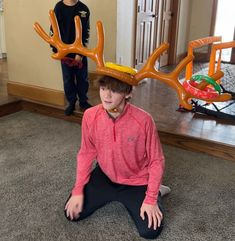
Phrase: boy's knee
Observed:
(150, 233)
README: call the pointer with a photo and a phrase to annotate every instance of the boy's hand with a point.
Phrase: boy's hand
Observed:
(78, 58)
(74, 206)
(154, 215)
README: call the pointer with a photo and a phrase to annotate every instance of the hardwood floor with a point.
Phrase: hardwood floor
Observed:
(185, 130)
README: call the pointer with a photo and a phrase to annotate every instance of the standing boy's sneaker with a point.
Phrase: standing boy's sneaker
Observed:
(70, 109)
(85, 105)
(164, 190)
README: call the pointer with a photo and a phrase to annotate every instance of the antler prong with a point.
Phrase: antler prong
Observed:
(42, 33)
(78, 30)
(95, 54)
(148, 70)
(182, 65)
(77, 47)
(54, 24)
(100, 43)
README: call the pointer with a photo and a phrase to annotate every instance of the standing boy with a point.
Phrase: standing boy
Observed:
(74, 66)
(123, 139)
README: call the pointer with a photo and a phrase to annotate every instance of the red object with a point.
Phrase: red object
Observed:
(207, 93)
(71, 62)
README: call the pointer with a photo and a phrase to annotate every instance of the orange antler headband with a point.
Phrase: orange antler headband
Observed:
(96, 54)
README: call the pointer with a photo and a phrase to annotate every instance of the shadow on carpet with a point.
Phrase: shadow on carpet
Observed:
(37, 169)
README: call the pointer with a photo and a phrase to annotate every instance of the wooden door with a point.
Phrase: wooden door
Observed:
(153, 27)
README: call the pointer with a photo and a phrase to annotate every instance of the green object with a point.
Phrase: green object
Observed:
(208, 79)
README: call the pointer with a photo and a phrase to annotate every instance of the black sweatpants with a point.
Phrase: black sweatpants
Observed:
(100, 191)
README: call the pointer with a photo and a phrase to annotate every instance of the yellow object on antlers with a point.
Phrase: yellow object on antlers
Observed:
(121, 68)
(121, 73)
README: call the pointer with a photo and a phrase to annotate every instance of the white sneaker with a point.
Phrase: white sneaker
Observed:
(164, 190)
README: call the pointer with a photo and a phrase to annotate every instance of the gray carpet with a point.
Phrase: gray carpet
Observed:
(37, 171)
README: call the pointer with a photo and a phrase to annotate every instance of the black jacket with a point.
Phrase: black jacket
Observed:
(65, 18)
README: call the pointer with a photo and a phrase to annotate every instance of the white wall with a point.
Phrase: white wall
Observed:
(28, 56)
(194, 22)
(184, 24)
(125, 32)
(200, 20)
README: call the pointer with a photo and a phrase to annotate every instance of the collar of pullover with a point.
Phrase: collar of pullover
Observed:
(122, 114)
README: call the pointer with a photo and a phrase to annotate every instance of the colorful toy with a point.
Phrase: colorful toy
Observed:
(208, 88)
(208, 79)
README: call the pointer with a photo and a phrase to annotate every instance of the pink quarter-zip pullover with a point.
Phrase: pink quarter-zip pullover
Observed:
(127, 149)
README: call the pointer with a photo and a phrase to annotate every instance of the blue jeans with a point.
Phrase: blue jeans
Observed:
(75, 82)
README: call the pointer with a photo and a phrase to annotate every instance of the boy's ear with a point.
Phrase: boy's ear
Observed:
(128, 96)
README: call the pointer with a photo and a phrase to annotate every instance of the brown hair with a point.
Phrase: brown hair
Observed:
(115, 85)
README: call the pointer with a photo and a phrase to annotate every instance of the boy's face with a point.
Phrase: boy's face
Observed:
(112, 100)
